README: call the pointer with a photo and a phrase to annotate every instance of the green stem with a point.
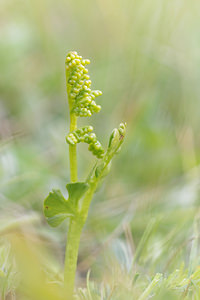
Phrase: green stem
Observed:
(72, 151)
(87, 200)
(75, 227)
(72, 148)
(71, 255)
(73, 241)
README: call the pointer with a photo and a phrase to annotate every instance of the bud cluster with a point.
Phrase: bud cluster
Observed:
(116, 137)
(122, 130)
(78, 135)
(84, 135)
(78, 86)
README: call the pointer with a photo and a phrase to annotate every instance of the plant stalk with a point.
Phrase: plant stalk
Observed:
(73, 241)
(72, 151)
(71, 255)
(72, 148)
(75, 227)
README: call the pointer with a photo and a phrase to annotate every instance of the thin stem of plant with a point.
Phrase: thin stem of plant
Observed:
(75, 227)
(72, 149)
(71, 255)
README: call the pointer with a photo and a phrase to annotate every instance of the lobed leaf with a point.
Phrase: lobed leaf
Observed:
(57, 208)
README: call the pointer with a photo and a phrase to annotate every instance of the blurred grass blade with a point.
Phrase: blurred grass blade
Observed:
(143, 242)
(150, 287)
(194, 248)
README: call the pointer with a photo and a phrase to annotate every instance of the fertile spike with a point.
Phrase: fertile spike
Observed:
(78, 86)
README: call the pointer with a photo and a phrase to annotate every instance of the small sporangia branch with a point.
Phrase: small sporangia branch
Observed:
(57, 208)
(84, 135)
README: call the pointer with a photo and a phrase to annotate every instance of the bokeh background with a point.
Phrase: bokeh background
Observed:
(145, 58)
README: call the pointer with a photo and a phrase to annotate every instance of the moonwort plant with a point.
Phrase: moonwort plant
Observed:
(81, 99)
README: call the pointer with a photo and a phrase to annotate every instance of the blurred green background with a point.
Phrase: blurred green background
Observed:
(145, 58)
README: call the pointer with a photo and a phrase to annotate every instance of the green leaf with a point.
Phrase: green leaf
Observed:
(57, 208)
(76, 191)
(114, 138)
